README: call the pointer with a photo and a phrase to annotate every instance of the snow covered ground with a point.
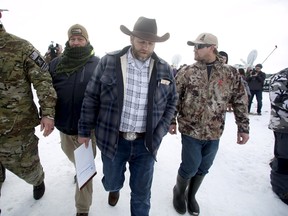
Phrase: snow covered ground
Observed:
(238, 183)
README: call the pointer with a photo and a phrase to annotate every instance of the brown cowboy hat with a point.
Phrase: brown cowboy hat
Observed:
(145, 29)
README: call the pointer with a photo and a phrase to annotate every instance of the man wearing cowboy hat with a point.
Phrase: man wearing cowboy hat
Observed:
(130, 101)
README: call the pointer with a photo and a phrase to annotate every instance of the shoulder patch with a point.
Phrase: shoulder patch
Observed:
(39, 60)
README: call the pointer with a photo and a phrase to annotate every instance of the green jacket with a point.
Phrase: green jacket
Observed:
(22, 66)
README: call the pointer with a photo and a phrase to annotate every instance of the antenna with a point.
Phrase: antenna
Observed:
(270, 54)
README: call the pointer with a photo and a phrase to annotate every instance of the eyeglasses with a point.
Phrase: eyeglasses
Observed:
(201, 46)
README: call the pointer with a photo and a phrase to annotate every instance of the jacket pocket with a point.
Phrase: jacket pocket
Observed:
(161, 94)
(108, 89)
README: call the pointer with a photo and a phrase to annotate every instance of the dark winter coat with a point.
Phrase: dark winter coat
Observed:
(70, 91)
(103, 103)
(256, 82)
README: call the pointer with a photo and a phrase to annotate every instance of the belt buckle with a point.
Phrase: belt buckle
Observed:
(130, 136)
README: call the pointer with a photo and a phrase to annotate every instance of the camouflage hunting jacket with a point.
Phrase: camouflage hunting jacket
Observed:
(202, 102)
(278, 93)
(21, 66)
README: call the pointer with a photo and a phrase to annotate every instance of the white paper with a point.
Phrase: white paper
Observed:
(85, 164)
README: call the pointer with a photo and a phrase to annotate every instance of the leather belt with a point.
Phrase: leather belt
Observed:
(130, 136)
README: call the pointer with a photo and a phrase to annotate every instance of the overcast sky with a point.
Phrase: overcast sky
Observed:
(240, 25)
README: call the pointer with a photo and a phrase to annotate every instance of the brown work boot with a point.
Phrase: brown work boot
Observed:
(113, 198)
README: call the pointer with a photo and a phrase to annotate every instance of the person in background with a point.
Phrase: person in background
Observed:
(131, 100)
(174, 69)
(53, 52)
(278, 94)
(248, 72)
(224, 59)
(255, 80)
(224, 56)
(211, 82)
(22, 67)
(71, 73)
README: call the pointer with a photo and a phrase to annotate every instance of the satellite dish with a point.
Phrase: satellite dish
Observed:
(251, 58)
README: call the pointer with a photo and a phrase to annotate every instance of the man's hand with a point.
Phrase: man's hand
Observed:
(173, 129)
(84, 140)
(242, 138)
(47, 124)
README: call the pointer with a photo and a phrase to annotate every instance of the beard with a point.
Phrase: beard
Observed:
(139, 55)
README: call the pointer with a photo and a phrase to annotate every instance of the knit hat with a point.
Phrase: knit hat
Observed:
(79, 30)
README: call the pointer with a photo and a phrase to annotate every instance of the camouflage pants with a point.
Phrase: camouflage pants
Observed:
(19, 154)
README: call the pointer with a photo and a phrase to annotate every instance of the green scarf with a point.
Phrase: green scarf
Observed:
(74, 58)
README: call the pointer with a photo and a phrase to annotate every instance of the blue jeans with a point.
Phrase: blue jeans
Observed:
(258, 94)
(141, 166)
(197, 156)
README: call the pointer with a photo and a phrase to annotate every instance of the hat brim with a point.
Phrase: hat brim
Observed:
(192, 43)
(145, 36)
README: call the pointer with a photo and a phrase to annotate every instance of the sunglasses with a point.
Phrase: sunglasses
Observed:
(201, 46)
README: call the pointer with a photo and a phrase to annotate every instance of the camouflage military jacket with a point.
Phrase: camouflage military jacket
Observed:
(202, 103)
(278, 93)
(21, 66)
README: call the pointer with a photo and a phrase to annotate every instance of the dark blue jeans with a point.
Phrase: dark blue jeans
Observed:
(141, 166)
(197, 156)
(258, 94)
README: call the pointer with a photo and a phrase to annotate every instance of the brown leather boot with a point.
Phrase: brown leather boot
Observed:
(113, 198)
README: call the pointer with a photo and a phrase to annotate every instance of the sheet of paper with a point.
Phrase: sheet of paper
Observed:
(85, 164)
